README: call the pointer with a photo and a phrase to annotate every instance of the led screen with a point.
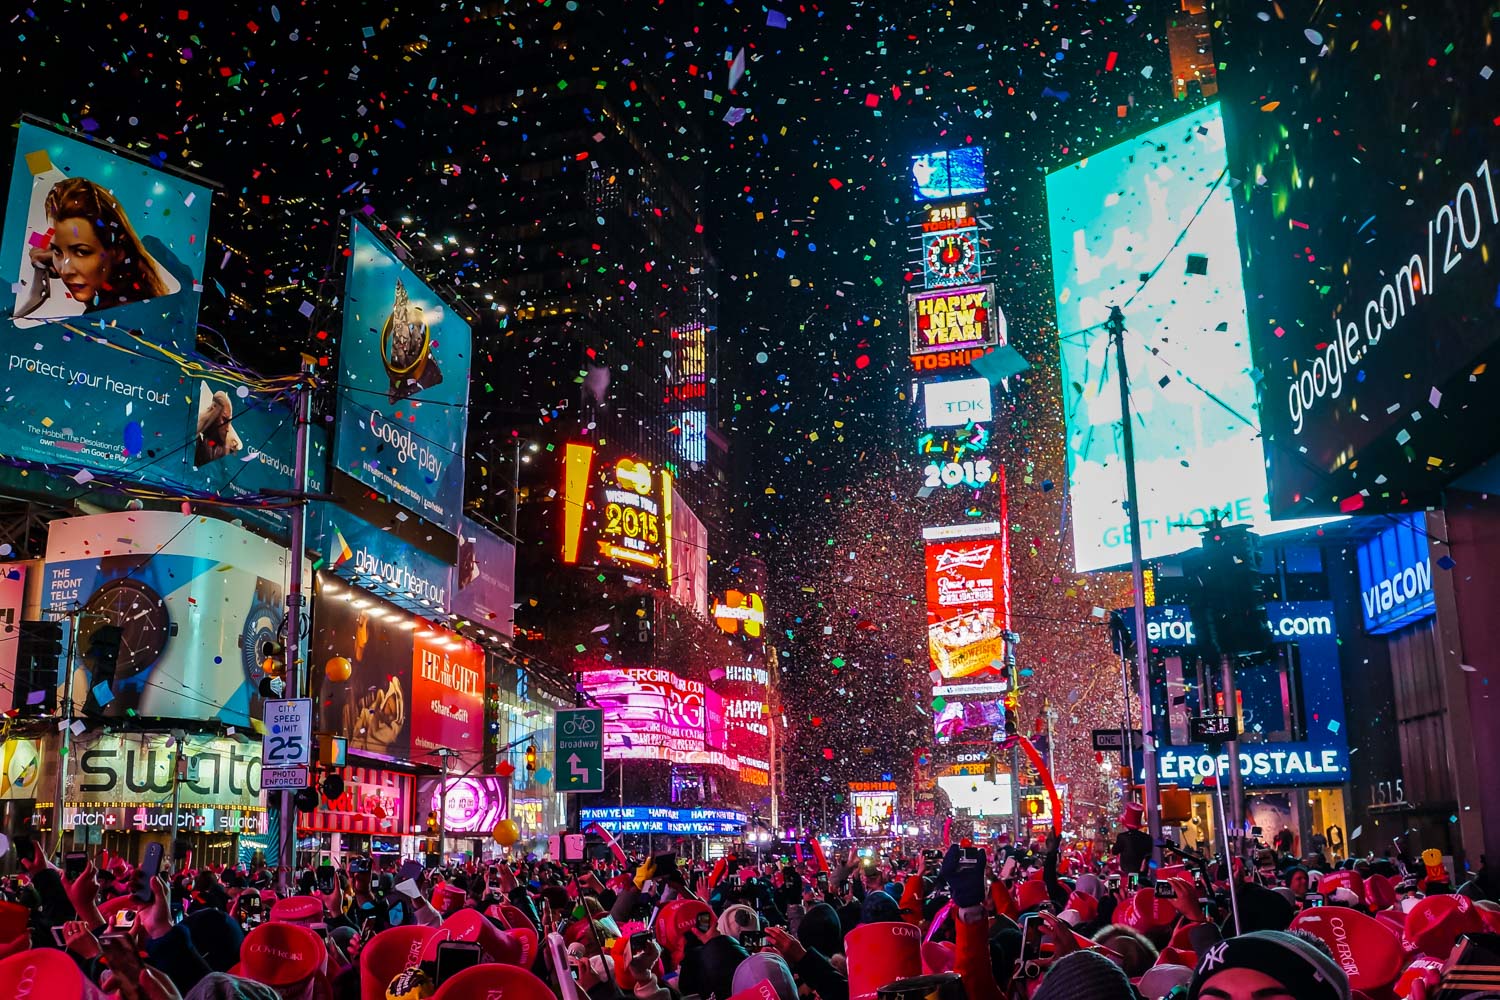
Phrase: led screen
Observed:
(950, 173)
(1161, 199)
(954, 319)
(747, 719)
(873, 805)
(617, 513)
(979, 795)
(652, 714)
(1370, 221)
(968, 606)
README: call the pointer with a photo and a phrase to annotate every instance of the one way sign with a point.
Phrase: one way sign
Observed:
(579, 738)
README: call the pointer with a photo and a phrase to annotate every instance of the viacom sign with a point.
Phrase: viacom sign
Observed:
(1395, 577)
(954, 404)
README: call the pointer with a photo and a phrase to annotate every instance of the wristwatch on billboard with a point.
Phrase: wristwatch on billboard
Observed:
(262, 626)
(141, 616)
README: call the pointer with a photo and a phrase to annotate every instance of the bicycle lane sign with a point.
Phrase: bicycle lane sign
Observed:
(579, 739)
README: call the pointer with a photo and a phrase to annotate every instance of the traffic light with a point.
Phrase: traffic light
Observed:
(39, 649)
(531, 756)
(1229, 602)
(103, 653)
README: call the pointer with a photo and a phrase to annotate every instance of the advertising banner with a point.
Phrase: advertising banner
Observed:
(374, 801)
(1369, 215)
(1395, 576)
(12, 600)
(955, 319)
(957, 403)
(96, 246)
(135, 769)
(355, 549)
(473, 804)
(652, 714)
(1286, 742)
(747, 720)
(689, 557)
(1113, 217)
(617, 513)
(194, 600)
(447, 696)
(403, 385)
(485, 581)
(968, 607)
(665, 819)
(412, 686)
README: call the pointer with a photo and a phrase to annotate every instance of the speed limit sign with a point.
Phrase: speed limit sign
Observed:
(288, 738)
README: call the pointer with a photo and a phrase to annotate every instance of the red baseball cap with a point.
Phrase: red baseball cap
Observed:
(1154, 911)
(1030, 893)
(490, 980)
(1343, 879)
(386, 955)
(298, 910)
(1366, 949)
(1435, 923)
(280, 954)
(45, 971)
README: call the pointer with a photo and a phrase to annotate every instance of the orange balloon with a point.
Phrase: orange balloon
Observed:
(506, 832)
(338, 669)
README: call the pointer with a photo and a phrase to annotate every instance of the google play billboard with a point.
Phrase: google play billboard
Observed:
(1156, 205)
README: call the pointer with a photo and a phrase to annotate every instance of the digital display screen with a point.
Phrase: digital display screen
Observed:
(954, 319)
(1370, 221)
(950, 173)
(617, 512)
(652, 714)
(873, 809)
(1164, 199)
(968, 607)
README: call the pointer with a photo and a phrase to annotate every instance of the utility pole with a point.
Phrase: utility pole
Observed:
(771, 664)
(65, 712)
(442, 814)
(295, 679)
(1138, 584)
(178, 765)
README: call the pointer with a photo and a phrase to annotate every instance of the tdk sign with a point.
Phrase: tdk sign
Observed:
(953, 404)
(1395, 577)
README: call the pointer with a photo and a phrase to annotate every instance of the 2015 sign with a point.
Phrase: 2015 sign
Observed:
(969, 473)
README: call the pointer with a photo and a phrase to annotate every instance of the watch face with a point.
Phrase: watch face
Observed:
(952, 258)
(141, 616)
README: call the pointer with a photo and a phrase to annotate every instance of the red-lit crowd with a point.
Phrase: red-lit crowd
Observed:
(968, 923)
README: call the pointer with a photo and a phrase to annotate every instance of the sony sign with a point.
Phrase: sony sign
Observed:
(956, 403)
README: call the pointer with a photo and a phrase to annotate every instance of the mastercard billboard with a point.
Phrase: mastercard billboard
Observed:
(968, 607)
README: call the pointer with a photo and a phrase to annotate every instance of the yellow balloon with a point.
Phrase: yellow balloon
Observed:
(506, 832)
(338, 669)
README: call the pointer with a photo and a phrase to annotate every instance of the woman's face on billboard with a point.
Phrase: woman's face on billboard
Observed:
(80, 259)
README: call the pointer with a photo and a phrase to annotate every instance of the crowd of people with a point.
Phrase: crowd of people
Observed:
(1036, 922)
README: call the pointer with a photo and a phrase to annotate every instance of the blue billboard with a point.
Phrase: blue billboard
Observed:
(1293, 722)
(948, 173)
(1395, 576)
(403, 385)
(101, 264)
(666, 819)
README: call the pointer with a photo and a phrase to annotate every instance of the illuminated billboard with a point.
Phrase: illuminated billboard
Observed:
(948, 173)
(872, 805)
(957, 402)
(954, 319)
(652, 714)
(1163, 196)
(1370, 222)
(968, 607)
(616, 513)
(474, 804)
(747, 720)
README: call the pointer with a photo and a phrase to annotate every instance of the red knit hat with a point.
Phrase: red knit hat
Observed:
(1436, 922)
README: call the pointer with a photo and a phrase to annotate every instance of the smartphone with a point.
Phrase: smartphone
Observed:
(753, 940)
(1135, 880)
(122, 958)
(1029, 964)
(327, 878)
(74, 862)
(794, 914)
(59, 938)
(640, 940)
(1164, 889)
(1314, 899)
(455, 956)
(1112, 882)
(150, 867)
